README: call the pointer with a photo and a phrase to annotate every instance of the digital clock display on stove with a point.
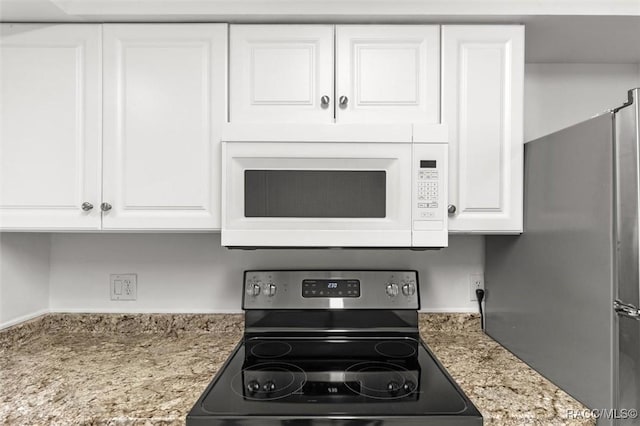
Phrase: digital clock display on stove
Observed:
(331, 288)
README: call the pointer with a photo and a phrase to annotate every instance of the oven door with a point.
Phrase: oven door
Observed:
(324, 194)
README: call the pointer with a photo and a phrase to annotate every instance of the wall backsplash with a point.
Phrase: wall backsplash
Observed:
(193, 273)
(24, 276)
(560, 95)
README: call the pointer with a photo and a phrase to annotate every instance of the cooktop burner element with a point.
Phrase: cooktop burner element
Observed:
(395, 349)
(268, 381)
(271, 349)
(331, 360)
(381, 380)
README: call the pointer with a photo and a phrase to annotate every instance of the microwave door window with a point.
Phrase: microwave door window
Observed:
(315, 193)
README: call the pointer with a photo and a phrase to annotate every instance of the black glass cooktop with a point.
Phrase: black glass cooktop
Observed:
(394, 381)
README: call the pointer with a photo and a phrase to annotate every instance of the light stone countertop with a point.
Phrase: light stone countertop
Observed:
(117, 369)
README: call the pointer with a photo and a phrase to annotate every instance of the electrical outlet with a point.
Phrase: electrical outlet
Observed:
(123, 286)
(476, 281)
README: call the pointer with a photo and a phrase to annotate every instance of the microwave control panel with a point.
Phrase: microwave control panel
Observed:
(428, 188)
(430, 164)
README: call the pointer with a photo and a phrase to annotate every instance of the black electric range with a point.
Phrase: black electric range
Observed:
(332, 348)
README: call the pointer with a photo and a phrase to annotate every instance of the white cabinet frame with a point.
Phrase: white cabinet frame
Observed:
(165, 103)
(482, 103)
(51, 124)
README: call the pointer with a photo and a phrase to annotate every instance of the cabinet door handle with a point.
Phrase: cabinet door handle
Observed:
(86, 206)
(343, 100)
(451, 209)
(105, 207)
(324, 101)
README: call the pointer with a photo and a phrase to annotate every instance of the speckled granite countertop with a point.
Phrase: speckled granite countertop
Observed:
(150, 369)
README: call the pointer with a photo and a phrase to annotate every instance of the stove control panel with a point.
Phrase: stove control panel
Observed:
(330, 288)
(324, 289)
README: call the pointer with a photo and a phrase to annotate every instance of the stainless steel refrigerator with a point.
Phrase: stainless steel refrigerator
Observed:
(564, 295)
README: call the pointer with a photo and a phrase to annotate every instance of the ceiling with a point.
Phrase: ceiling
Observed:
(558, 31)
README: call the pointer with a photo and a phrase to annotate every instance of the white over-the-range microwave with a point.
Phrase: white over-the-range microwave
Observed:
(335, 185)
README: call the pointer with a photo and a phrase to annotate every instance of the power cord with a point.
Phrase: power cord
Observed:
(480, 297)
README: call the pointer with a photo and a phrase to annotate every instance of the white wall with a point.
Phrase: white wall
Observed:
(559, 95)
(24, 276)
(193, 273)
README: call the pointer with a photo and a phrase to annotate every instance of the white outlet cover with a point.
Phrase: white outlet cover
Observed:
(123, 286)
(476, 281)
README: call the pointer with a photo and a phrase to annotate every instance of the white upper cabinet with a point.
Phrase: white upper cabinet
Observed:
(384, 73)
(482, 101)
(281, 73)
(164, 104)
(118, 126)
(50, 126)
(388, 73)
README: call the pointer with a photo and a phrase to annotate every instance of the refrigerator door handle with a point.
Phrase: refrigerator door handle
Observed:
(626, 310)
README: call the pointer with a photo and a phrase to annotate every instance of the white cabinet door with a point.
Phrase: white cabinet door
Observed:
(280, 73)
(387, 73)
(164, 104)
(50, 126)
(482, 100)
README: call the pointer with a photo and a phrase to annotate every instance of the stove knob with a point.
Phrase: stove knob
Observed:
(253, 289)
(408, 289)
(393, 387)
(253, 386)
(270, 290)
(392, 289)
(269, 386)
(408, 386)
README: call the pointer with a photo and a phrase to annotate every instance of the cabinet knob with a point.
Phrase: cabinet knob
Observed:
(343, 100)
(451, 209)
(324, 101)
(86, 206)
(105, 207)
